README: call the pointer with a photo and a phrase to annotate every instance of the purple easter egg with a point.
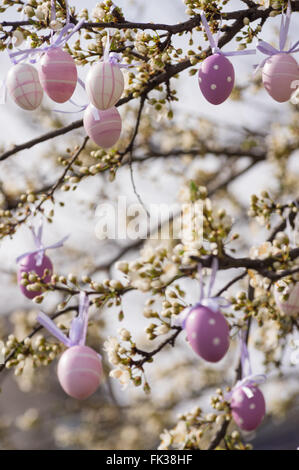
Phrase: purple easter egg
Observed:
(24, 86)
(207, 333)
(102, 126)
(27, 265)
(291, 305)
(280, 73)
(58, 75)
(248, 411)
(80, 371)
(216, 78)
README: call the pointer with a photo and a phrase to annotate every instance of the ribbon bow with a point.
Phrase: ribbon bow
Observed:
(214, 41)
(41, 249)
(63, 36)
(113, 57)
(266, 48)
(78, 329)
(248, 378)
(213, 303)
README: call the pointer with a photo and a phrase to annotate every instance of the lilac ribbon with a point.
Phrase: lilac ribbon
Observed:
(63, 36)
(78, 329)
(248, 378)
(213, 303)
(214, 41)
(113, 57)
(53, 11)
(267, 49)
(41, 249)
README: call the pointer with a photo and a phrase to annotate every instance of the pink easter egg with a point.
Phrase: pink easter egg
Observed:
(248, 411)
(58, 75)
(80, 371)
(291, 305)
(103, 127)
(207, 333)
(216, 78)
(27, 265)
(24, 86)
(279, 75)
(104, 85)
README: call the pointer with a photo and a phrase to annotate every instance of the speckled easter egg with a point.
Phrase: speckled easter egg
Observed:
(207, 333)
(216, 78)
(291, 305)
(104, 85)
(279, 73)
(24, 87)
(247, 412)
(80, 371)
(58, 75)
(103, 127)
(27, 265)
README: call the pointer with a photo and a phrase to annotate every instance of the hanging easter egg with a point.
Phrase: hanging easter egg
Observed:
(24, 86)
(80, 371)
(207, 333)
(104, 85)
(29, 264)
(216, 78)
(280, 73)
(289, 306)
(58, 74)
(248, 407)
(103, 127)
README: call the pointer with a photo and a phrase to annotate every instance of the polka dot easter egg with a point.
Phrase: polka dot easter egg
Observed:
(207, 333)
(29, 264)
(280, 73)
(103, 127)
(289, 306)
(24, 87)
(216, 78)
(104, 84)
(80, 371)
(248, 407)
(58, 75)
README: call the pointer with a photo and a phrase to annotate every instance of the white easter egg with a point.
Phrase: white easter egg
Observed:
(24, 87)
(104, 85)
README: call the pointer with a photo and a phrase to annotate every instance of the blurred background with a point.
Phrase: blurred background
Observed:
(35, 413)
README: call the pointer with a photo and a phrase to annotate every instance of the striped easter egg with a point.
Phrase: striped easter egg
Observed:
(104, 85)
(58, 75)
(24, 86)
(103, 127)
(80, 371)
(280, 73)
(291, 305)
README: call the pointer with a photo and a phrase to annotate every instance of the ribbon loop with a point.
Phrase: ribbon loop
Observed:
(63, 36)
(214, 41)
(213, 303)
(248, 379)
(78, 329)
(40, 248)
(79, 324)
